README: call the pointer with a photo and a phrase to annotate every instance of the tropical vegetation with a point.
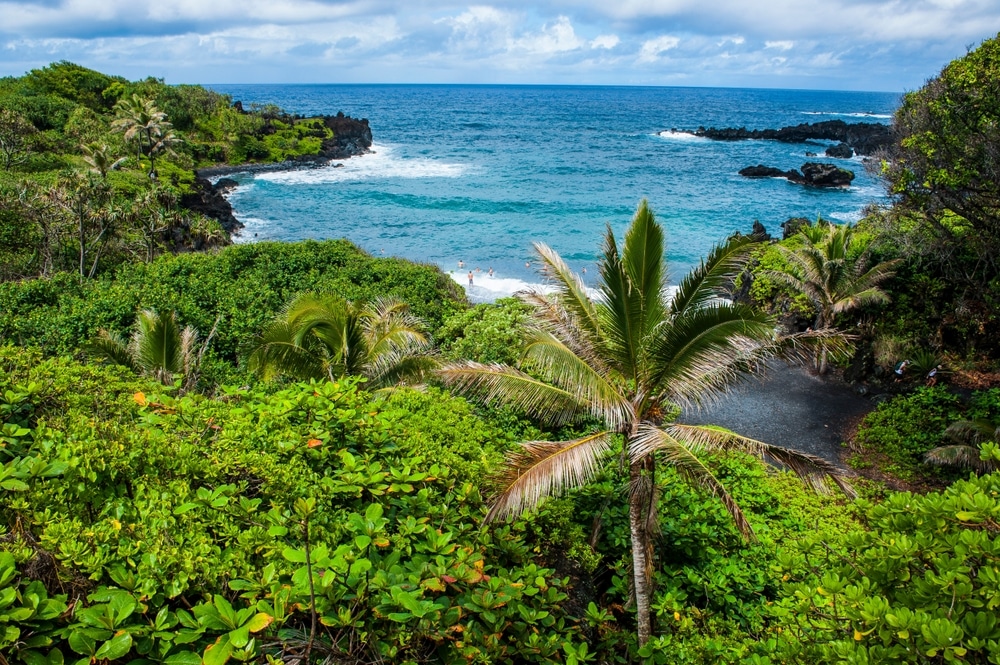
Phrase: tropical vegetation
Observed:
(626, 360)
(167, 501)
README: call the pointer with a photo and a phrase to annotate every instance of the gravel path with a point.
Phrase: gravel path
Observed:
(791, 408)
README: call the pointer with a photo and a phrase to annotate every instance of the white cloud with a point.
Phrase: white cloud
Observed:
(783, 45)
(605, 41)
(652, 49)
(556, 37)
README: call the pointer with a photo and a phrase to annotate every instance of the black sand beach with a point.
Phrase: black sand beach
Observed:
(789, 407)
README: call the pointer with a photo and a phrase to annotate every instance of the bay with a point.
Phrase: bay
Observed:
(478, 173)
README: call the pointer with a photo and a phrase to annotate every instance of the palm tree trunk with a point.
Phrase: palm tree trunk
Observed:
(637, 514)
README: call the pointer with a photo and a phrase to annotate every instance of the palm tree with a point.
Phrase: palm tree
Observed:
(625, 357)
(158, 347)
(969, 436)
(325, 336)
(837, 278)
(98, 158)
(139, 119)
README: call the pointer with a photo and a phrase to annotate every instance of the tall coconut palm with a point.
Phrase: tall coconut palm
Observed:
(158, 347)
(625, 357)
(969, 436)
(834, 275)
(324, 336)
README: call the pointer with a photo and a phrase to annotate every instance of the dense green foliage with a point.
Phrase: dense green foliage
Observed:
(898, 433)
(93, 167)
(246, 285)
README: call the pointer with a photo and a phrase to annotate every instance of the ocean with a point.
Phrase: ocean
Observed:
(478, 173)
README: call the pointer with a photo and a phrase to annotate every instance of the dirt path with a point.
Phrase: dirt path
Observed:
(789, 407)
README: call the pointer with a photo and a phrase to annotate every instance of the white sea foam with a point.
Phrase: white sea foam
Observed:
(383, 162)
(850, 115)
(680, 136)
(251, 227)
(490, 289)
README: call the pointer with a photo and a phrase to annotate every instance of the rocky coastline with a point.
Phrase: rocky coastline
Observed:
(351, 137)
(863, 138)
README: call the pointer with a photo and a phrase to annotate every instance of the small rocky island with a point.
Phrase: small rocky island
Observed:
(813, 174)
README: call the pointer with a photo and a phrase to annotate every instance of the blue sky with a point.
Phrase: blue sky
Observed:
(831, 44)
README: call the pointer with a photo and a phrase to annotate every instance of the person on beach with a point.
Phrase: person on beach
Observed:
(470, 278)
(461, 263)
(490, 273)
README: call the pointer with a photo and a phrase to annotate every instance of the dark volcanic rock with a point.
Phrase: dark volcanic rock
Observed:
(209, 201)
(864, 137)
(792, 226)
(813, 174)
(841, 151)
(759, 232)
(825, 175)
(761, 171)
(351, 137)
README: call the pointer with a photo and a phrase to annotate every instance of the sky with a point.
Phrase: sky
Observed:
(886, 45)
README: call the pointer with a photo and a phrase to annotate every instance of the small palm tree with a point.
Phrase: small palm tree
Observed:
(625, 358)
(969, 436)
(158, 347)
(99, 158)
(829, 270)
(325, 336)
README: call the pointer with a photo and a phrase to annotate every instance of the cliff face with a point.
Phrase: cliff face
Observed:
(351, 137)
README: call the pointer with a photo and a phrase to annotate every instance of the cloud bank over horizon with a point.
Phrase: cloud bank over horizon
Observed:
(837, 44)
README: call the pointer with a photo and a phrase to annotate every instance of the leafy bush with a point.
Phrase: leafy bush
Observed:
(188, 528)
(920, 586)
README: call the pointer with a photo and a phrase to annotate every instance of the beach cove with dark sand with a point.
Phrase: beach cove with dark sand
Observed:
(790, 407)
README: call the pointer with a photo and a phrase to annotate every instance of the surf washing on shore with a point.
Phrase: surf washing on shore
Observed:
(477, 174)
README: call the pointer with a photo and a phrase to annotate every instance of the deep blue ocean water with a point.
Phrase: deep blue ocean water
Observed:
(479, 173)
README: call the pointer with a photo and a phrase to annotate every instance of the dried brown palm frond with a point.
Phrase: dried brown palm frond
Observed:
(539, 469)
(682, 455)
(813, 470)
(495, 383)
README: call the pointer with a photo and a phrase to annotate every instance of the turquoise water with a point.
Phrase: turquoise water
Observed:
(479, 173)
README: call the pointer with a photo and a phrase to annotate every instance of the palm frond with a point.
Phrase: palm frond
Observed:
(578, 376)
(401, 366)
(709, 281)
(573, 299)
(551, 317)
(701, 354)
(276, 352)
(539, 469)
(113, 347)
(682, 455)
(506, 385)
(642, 258)
(813, 470)
(156, 343)
(974, 432)
(620, 312)
(960, 455)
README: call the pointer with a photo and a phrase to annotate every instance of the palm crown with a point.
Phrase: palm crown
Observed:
(625, 357)
(325, 336)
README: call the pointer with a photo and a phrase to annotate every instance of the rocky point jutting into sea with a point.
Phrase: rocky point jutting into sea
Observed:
(351, 137)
